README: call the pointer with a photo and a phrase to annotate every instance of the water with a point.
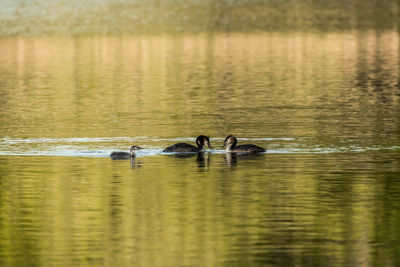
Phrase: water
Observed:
(325, 106)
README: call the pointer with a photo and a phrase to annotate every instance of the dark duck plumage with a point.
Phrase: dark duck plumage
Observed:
(230, 144)
(125, 155)
(202, 142)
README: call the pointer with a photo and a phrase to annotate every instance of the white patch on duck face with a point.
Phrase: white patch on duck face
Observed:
(228, 147)
(203, 144)
(206, 142)
(198, 142)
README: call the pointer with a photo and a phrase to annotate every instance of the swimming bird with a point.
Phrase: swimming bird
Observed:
(125, 155)
(202, 141)
(230, 144)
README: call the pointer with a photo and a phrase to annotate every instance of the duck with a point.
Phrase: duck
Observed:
(125, 155)
(202, 141)
(230, 145)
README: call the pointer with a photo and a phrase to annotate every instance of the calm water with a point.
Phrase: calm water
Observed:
(326, 106)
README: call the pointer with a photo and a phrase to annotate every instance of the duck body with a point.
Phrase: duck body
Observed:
(120, 155)
(248, 148)
(181, 147)
(230, 146)
(125, 155)
(202, 142)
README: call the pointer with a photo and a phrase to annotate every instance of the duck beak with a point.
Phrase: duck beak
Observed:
(224, 145)
(209, 146)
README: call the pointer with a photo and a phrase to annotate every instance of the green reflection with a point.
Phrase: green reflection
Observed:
(270, 209)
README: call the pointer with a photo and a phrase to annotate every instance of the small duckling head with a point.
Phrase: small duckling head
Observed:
(230, 142)
(202, 141)
(133, 149)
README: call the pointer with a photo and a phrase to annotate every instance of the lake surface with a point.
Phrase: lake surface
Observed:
(325, 105)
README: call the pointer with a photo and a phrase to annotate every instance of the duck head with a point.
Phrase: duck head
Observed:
(202, 141)
(230, 142)
(133, 149)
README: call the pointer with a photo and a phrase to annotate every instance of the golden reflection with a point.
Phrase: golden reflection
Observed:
(281, 209)
(86, 211)
(179, 85)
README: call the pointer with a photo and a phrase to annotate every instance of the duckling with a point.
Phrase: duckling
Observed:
(230, 144)
(125, 155)
(201, 142)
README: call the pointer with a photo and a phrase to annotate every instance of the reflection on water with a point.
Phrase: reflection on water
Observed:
(135, 163)
(324, 105)
(281, 209)
(231, 159)
(203, 160)
(338, 89)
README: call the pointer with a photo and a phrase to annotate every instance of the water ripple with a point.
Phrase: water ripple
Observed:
(102, 147)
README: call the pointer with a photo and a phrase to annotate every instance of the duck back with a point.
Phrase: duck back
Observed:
(120, 155)
(248, 149)
(181, 147)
